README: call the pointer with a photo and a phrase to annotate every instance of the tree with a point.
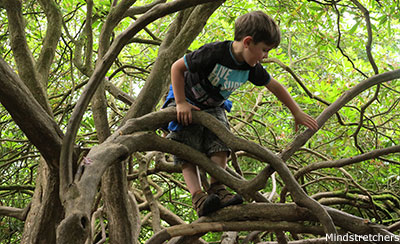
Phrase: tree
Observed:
(83, 159)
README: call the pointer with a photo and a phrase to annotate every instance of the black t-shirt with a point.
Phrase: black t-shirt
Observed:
(213, 74)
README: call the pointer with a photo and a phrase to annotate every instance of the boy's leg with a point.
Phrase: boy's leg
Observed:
(203, 203)
(192, 177)
(227, 198)
(218, 152)
(221, 158)
(192, 136)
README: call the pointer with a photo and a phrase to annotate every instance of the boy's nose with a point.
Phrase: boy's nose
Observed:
(265, 55)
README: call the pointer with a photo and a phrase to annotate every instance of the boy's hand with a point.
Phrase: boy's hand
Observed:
(184, 112)
(305, 119)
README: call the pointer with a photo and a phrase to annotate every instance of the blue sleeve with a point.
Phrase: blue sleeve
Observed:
(170, 96)
(227, 105)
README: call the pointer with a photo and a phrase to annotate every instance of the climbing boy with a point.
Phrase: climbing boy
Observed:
(204, 79)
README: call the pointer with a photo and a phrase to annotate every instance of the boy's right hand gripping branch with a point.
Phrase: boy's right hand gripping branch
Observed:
(184, 112)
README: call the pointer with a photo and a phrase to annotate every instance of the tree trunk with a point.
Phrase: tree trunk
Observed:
(124, 223)
(46, 211)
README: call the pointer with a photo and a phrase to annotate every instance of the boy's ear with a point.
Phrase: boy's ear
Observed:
(247, 41)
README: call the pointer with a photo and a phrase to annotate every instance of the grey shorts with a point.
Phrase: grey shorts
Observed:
(201, 138)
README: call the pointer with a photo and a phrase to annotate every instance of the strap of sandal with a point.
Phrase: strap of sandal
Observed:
(219, 189)
(198, 199)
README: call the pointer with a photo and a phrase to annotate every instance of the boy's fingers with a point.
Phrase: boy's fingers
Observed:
(189, 118)
(309, 122)
(312, 124)
(316, 127)
(185, 117)
(182, 118)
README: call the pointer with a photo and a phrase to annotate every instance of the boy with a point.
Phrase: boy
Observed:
(204, 79)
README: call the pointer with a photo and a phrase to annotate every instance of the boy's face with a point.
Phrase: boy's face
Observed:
(255, 53)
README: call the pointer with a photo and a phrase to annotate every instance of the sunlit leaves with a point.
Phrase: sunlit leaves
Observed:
(312, 32)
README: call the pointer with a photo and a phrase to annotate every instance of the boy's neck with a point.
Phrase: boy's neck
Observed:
(237, 51)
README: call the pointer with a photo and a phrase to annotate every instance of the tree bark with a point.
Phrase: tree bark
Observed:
(46, 211)
(23, 55)
(24, 108)
(124, 223)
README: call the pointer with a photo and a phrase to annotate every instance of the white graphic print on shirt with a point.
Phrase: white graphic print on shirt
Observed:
(228, 80)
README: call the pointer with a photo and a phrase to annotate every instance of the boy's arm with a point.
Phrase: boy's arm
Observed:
(283, 95)
(183, 108)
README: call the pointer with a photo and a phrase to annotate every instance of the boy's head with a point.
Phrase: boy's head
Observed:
(259, 26)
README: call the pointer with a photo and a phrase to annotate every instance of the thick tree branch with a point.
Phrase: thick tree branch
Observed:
(85, 41)
(15, 212)
(131, 12)
(23, 55)
(20, 103)
(50, 42)
(278, 213)
(394, 227)
(198, 228)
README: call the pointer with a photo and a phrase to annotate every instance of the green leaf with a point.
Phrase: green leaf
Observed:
(383, 19)
(354, 28)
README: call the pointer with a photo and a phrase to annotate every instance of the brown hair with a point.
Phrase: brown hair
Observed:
(258, 25)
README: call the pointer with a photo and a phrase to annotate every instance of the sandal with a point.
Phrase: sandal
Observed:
(205, 204)
(227, 198)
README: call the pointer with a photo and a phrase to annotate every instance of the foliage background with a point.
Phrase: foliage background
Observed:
(323, 45)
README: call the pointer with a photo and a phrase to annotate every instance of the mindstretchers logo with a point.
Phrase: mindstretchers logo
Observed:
(367, 238)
